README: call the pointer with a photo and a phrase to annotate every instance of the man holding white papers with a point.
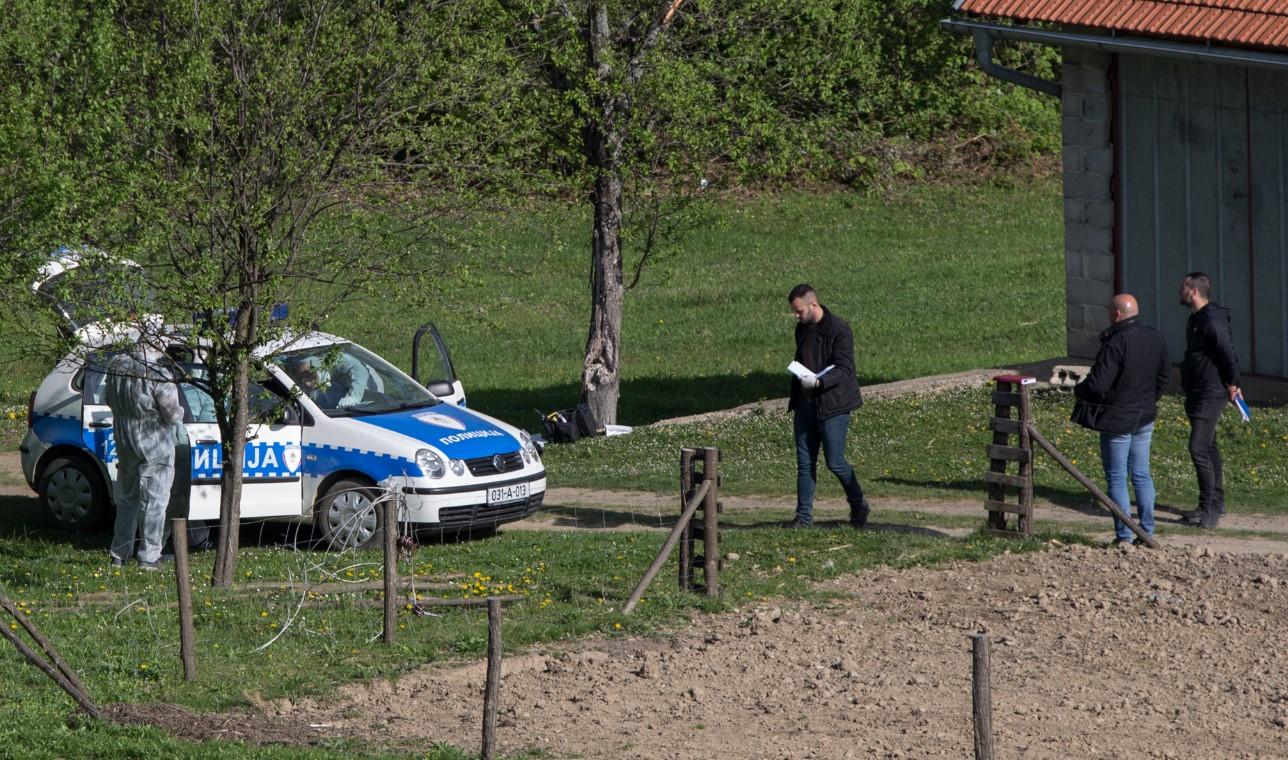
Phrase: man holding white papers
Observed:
(824, 392)
(1210, 379)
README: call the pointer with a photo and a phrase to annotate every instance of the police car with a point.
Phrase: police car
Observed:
(335, 427)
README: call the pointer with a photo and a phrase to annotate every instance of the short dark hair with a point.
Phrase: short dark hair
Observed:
(1200, 282)
(800, 291)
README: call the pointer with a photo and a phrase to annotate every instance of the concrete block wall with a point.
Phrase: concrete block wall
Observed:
(1088, 198)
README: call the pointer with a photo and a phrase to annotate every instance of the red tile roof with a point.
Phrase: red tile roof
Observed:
(1235, 23)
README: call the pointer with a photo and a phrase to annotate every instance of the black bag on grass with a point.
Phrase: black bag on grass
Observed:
(569, 425)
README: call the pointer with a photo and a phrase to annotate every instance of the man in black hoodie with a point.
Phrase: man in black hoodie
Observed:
(1210, 379)
(822, 401)
(1119, 399)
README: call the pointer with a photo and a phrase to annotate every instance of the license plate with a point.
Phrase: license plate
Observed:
(503, 494)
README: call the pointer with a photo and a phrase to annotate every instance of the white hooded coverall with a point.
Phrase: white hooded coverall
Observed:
(145, 407)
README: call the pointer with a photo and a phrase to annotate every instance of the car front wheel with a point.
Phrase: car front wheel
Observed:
(348, 516)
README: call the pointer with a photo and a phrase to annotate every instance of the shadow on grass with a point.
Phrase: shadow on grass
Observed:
(25, 528)
(643, 400)
(1078, 501)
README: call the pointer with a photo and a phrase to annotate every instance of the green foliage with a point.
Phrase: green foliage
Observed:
(773, 91)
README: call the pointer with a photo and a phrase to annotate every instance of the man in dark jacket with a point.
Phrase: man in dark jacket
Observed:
(1210, 379)
(822, 399)
(1119, 399)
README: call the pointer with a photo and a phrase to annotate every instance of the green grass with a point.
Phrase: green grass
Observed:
(119, 627)
(933, 447)
(933, 279)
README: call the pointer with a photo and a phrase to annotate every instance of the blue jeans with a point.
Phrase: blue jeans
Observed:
(1129, 454)
(830, 433)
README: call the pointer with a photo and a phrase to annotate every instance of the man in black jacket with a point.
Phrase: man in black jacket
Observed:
(1210, 379)
(822, 400)
(1119, 398)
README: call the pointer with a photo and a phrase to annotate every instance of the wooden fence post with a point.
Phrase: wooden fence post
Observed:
(493, 686)
(183, 582)
(685, 518)
(982, 696)
(389, 522)
(686, 540)
(711, 522)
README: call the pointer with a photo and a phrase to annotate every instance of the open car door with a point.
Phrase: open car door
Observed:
(92, 294)
(96, 417)
(438, 375)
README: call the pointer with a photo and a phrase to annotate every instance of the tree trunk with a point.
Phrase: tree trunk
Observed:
(230, 481)
(232, 429)
(601, 371)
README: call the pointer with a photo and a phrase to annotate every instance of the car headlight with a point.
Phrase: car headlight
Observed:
(457, 466)
(529, 449)
(430, 463)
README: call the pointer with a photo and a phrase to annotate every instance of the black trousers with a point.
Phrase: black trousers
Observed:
(1204, 413)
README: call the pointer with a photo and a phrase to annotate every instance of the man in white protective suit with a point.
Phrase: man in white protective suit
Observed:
(145, 406)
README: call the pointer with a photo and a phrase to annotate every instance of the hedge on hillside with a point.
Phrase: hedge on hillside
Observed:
(758, 92)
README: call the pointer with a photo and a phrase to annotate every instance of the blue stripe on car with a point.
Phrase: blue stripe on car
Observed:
(321, 460)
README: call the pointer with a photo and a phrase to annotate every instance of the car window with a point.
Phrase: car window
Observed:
(198, 406)
(347, 380)
(90, 379)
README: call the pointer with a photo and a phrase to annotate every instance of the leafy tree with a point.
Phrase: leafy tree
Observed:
(644, 101)
(257, 150)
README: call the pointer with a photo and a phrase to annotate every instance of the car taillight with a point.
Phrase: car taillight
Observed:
(31, 408)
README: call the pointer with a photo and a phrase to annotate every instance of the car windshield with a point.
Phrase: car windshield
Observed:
(345, 380)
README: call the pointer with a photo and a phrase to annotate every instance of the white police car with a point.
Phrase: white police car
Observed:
(336, 426)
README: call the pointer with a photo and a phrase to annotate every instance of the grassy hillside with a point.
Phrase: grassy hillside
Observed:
(933, 279)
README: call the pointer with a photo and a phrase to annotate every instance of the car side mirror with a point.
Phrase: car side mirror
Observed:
(439, 388)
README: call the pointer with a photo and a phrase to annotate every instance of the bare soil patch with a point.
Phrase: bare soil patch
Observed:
(1097, 653)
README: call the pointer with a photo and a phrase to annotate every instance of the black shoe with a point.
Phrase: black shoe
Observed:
(1122, 541)
(859, 518)
(163, 559)
(1209, 520)
(1193, 519)
(794, 524)
(1138, 541)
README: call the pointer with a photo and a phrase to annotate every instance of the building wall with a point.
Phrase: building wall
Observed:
(1088, 198)
(1202, 184)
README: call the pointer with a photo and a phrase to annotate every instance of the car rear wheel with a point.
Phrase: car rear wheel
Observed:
(73, 494)
(348, 516)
